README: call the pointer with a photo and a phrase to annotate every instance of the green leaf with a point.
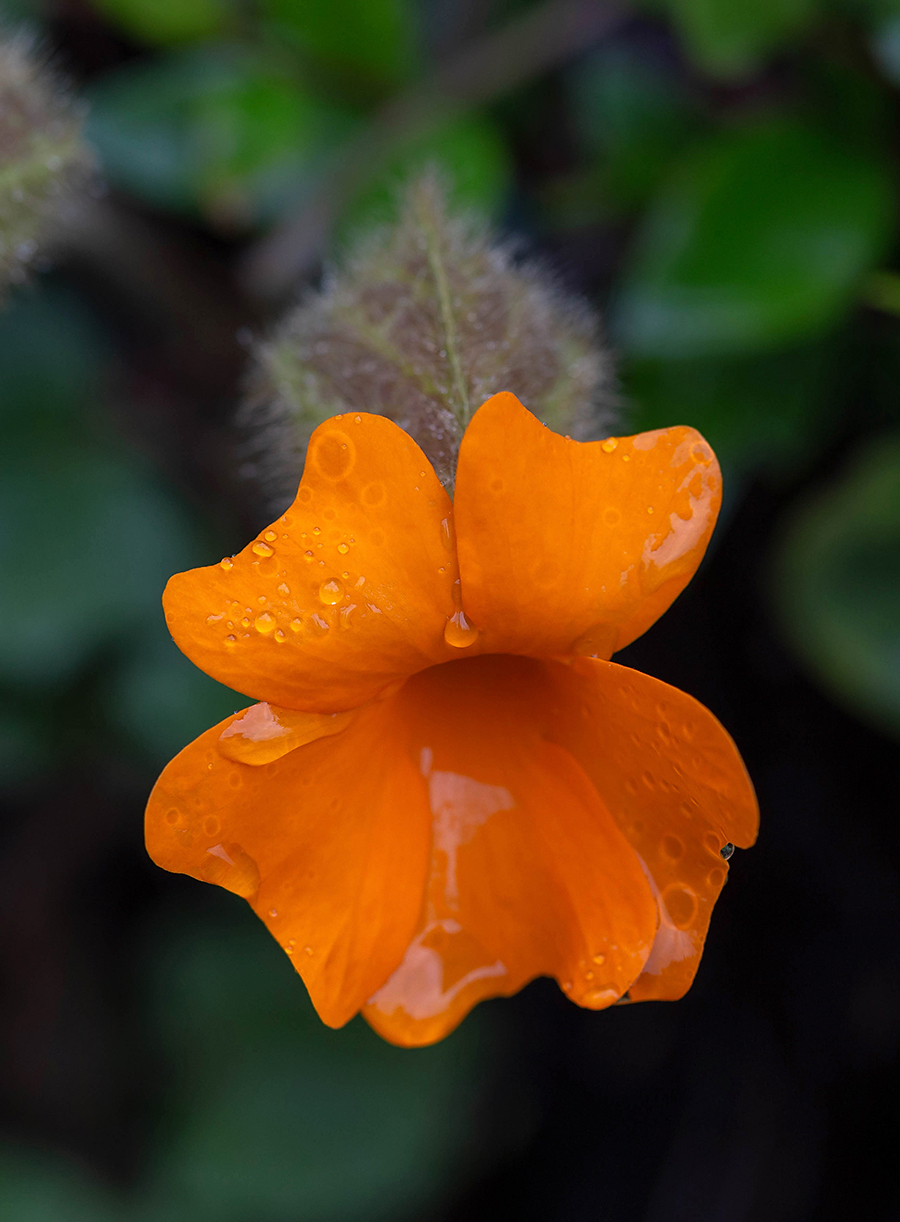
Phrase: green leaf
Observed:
(837, 584)
(758, 239)
(376, 38)
(87, 543)
(633, 117)
(759, 411)
(39, 1187)
(216, 130)
(281, 1117)
(731, 37)
(470, 153)
(161, 22)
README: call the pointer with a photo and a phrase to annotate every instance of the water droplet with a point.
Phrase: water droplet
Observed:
(308, 950)
(626, 458)
(307, 556)
(296, 624)
(672, 847)
(447, 533)
(230, 640)
(343, 549)
(227, 865)
(245, 623)
(598, 959)
(262, 549)
(319, 625)
(226, 564)
(284, 590)
(289, 949)
(357, 419)
(270, 536)
(459, 633)
(214, 619)
(681, 904)
(317, 530)
(589, 975)
(280, 636)
(726, 850)
(265, 623)
(273, 912)
(649, 509)
(344, 615)
(609, 445)
(331, 592)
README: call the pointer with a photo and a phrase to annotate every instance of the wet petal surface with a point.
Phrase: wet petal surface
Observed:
(329, 845)
(673, 780)
(529, 873)
(568, 547)
(345, 594)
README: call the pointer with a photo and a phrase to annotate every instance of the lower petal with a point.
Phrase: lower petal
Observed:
(529, 874)
(676, 786)
(329, 845)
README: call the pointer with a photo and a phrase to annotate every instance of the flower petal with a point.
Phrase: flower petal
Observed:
(577, 547)
(345, 594)
(529, 874)
(674, 782)
(329, 845)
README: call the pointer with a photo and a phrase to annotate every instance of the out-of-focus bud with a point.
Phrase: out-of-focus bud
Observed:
(423, 322)
(42, 157)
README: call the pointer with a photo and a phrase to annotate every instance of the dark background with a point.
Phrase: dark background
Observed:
(720, 178)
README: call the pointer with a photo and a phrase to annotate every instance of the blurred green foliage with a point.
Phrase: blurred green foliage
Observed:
(269, 1114)
(838, 583)
(89, 535)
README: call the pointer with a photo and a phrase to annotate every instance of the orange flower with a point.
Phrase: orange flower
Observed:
(448, 788)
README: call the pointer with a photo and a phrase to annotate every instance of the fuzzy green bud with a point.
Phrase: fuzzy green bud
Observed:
(42, 157)
(422, 322)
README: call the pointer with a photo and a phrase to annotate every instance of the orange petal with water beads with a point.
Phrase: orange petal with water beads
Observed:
(673, 780)
(264, 732)
(345, 594)
(329, 845)
(576, 547)
(529, 874)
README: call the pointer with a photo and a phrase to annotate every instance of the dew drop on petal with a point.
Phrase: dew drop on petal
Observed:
(459, 633)
(226, 564)
(672, 847)
(262, 549)
(265, 623)
(270, 536)
(598, 959)
(331, 592)
(343, 549)
(609, 445)
(273, 912)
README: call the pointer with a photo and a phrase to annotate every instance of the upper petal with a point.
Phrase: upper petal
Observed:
(329, 845)
(674, 782)
(346, 593)
(529, 873)
(578, 547)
